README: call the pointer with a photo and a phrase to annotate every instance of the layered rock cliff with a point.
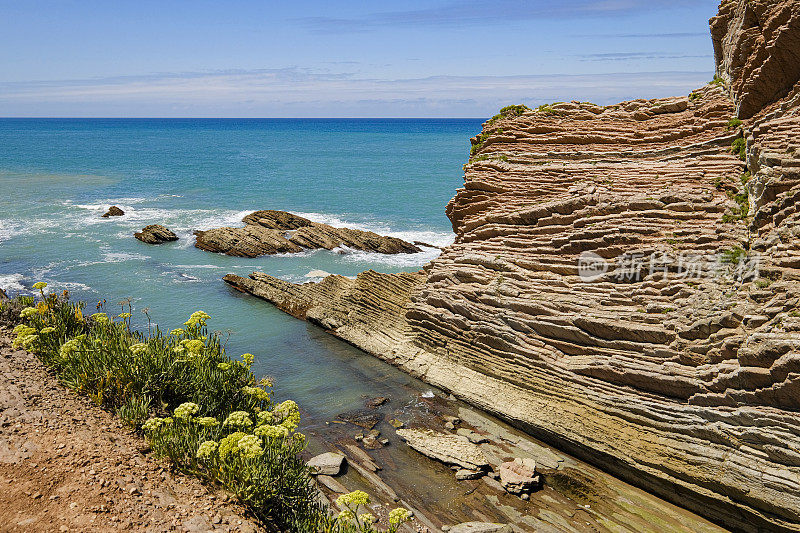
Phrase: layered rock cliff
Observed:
(624, 281)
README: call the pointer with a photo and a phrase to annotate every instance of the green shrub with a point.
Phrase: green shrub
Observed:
(734, 123)
(733, 255)
(739, 147)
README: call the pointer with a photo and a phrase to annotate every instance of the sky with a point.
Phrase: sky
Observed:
(329, 58)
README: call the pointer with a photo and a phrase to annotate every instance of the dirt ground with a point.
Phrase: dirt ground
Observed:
(67, 465)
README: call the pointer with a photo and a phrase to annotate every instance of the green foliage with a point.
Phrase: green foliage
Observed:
(733, 255)
(506, 112)
(734, 123)
(509, 111)
(187, 375)
(739, 147)
(742, 199)
(548, 109)
(695, 96)
(717, 81)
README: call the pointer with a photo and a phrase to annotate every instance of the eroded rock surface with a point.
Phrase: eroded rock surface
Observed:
(676, 365)
(155, 234)
(277, 232)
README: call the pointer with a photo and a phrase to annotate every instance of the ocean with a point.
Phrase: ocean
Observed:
(57, 176)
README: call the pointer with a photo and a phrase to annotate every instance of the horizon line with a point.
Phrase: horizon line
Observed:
(236, 118)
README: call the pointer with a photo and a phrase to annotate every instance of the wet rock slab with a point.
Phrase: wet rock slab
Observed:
(445, 447)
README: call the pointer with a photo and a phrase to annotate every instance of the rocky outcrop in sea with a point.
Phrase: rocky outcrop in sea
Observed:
(277, 232)
(624, 282)
(155, 234)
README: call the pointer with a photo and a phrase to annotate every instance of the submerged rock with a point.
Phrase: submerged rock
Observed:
(327, 464)
(444, 447)
(113, 211)
(364, 418)
(155, 234)
(274, 232)
(373, 403)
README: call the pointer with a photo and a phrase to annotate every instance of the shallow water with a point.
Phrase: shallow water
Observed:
(58, 176)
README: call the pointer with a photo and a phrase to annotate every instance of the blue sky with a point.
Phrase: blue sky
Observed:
(318, 58)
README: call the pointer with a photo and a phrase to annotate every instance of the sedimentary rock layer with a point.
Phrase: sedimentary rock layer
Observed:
(623, 283)
(275, 232)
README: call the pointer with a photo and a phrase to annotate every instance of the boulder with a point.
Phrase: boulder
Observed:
(273, 232)
(444, 447)
(327, 464)
(480, 527)
(155, 234)
(113, 211)
(519, 476)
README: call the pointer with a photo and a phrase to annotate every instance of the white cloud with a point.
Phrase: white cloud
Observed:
(293, 92)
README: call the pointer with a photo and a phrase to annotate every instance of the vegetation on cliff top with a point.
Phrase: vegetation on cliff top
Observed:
(506, 112)
(199, 408)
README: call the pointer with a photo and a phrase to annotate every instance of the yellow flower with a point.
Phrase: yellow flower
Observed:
(39, 285)
(248, 358)
(101, 318)
(229, 445)
(186, 410)
(28, 312)
(366, 518)
(207, 449)
(207, 421)
(356, 498)
(399, 515)
(345, 515)
(177, 332)
(153, 424)
(47, 330)
(124, 315)
(271, 432)
(257, 392)
(250, 447)
(138, 348)
(238, 419)
(194, 346)
(224, 366)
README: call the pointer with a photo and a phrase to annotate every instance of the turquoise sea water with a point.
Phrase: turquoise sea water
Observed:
(57, 176)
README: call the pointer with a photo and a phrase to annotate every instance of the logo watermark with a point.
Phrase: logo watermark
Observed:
(632, 267)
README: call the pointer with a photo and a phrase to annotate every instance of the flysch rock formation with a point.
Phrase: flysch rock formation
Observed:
(277, 232)
(624, 282)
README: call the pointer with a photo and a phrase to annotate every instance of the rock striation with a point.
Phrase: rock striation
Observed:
(155, 234)
(277, 232)
(624, 282)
